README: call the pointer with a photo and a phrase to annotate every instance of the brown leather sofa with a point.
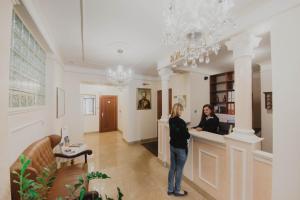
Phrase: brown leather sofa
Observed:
(41, 155)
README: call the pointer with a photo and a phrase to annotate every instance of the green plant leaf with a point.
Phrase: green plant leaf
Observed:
(80, 180)
(22, 158)
(120, 194)
(108, 198)
(82, 193)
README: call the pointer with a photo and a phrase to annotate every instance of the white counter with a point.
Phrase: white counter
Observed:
(212, 137)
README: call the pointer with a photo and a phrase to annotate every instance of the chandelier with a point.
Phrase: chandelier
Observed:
(119, 76)
(196, 26)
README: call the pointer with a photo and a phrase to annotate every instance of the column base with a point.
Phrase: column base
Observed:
(244, 135)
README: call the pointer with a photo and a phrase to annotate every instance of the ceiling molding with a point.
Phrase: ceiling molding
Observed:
(82, 30)
(100, 72)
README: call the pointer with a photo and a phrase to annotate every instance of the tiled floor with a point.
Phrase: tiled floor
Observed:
(134, 169)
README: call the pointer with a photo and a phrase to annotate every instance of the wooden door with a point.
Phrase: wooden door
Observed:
(108, 113)
(159, 103)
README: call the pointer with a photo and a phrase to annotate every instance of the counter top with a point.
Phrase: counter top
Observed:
(207, 136)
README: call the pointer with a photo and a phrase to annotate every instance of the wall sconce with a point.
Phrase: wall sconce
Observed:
(268, 100)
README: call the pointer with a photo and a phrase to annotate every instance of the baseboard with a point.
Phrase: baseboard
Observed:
(120, 131)
(132, 143)
(141, 141)
(149, 140)
(192, 184)
(91, 132)
(198, 189)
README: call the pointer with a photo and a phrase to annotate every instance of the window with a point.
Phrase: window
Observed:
(27, 85)
(89, 105)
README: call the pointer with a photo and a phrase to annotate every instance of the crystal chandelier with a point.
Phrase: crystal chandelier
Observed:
(195, 26)
(119, 76)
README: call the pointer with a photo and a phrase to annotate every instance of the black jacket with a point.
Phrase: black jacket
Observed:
(178, 133)
(210, 124)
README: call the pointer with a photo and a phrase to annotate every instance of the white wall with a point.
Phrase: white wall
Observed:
(180, 86)
(20, 129)
(5, 24)
(32, 124)
(285, 43)
(91, 122)
(197, 91)
(135, 125)
(266, 115)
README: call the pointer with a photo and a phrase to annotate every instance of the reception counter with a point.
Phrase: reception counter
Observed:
(220, 166)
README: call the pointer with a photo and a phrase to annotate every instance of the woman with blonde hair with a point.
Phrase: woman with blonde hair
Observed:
(178, 149)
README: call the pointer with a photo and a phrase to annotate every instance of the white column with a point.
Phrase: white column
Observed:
(165, 74)
(243, 51)
(242, 142)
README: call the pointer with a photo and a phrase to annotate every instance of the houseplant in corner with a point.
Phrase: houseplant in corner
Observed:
(37, 189)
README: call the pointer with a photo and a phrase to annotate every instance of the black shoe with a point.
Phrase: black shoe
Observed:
(170, 193)
(181, 194)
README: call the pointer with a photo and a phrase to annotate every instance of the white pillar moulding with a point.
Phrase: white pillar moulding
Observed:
(165, 74)
(243, 51)
(242, 142)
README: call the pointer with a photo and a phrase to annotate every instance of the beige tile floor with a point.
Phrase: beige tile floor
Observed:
(134, 169)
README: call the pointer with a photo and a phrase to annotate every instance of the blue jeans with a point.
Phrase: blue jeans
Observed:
(178, 159)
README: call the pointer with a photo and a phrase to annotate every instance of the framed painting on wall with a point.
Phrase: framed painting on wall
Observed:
(60, 103)
(143, 99)
(180, 99)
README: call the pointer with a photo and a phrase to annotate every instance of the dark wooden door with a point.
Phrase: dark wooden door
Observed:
(108, 113)
(159, 102)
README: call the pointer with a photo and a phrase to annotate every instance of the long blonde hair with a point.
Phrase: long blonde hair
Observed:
(177, 107)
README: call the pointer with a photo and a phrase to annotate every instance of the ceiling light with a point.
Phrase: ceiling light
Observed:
(119, 76)
(195, 27)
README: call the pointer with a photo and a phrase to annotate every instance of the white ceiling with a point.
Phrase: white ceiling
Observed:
(133, 25)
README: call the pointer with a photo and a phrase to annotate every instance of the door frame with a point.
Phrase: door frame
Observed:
(100, 112)
(159, 101)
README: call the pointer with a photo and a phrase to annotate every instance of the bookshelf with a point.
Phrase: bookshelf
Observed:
(222, 94)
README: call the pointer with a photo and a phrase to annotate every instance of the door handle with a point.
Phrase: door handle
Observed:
(102, 114)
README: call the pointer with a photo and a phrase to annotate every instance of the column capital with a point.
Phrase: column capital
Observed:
(165, 73)
(243, 45)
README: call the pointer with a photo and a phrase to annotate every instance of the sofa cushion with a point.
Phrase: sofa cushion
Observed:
(67, 175)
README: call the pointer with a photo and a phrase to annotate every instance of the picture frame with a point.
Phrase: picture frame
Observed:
(60, 102)
(182, 99)
(143, 99)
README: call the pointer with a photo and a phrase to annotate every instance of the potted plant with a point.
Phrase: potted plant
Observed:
(37, 189)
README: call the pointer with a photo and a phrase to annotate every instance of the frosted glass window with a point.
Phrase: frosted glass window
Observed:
(89, 105)
(27, 75)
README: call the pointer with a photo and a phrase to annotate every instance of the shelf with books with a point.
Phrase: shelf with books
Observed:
(222, 93)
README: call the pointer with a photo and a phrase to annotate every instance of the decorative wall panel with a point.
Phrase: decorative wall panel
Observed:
(27, 68)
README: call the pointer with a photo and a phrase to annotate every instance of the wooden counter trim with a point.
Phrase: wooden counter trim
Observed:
(263, 156)
(211, 137)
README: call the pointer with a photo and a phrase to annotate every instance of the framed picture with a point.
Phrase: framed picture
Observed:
(180, 99)
(268, 100)
(60, 103)
(143, 100)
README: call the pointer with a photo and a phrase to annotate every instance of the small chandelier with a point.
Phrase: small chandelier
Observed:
(195, 26)
(120, 76)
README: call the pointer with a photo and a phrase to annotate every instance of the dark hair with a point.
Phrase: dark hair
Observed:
(210, 107)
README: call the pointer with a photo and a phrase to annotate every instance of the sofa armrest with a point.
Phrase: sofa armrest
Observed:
(85, 153)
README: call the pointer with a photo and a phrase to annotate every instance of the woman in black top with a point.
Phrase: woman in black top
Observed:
(178, 149)
(209, 121)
